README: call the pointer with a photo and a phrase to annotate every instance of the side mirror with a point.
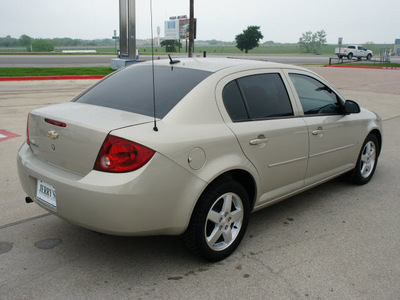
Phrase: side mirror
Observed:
(351, 107)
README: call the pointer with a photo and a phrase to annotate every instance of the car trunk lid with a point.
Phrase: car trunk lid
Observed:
(70, 135)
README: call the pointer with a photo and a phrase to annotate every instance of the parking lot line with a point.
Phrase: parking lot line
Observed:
(5, 135)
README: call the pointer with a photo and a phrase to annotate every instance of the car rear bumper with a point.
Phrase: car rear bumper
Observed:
(156, 199)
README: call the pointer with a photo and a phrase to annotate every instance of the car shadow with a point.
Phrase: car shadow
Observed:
(156, 249)
(98, 259)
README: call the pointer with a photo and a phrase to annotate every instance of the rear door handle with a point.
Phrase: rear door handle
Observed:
(261, 139)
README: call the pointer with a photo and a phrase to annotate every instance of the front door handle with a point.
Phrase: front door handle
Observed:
(318, 131)
(261, 139)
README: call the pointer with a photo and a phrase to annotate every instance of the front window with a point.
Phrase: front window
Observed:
(315, 97)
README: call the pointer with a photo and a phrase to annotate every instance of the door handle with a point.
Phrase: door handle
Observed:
(261, 139)
(318, 131)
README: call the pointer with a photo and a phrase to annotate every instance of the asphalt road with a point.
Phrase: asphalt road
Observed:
(105, 60)
(336, 241)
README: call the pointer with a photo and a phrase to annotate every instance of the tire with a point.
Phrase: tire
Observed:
(219, 220)
(367, 161)
(350, 56)
(369, 56)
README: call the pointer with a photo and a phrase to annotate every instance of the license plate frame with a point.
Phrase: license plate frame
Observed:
(46, 193)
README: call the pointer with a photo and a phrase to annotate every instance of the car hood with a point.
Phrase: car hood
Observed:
(75, 147)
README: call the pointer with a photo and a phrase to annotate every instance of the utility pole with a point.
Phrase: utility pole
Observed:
(191, 29)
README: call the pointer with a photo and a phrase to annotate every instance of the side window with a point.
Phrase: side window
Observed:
(352, 47)
(234, 103)
(315, 97)
(257, 97)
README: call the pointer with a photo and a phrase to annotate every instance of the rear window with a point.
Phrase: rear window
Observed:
(257, 97)
(131, 89)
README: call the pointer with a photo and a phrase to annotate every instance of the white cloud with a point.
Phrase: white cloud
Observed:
(281, 21)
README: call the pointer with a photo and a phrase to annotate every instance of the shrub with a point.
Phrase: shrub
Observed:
(42, 46)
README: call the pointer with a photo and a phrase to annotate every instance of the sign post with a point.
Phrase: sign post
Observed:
(191, 29)
(178, 28)
(116, 38)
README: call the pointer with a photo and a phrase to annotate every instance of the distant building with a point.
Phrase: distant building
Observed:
(397, 46)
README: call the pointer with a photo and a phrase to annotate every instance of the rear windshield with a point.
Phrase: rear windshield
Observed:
(131, 89)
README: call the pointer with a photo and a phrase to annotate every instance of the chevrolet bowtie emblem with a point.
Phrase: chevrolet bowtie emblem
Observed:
(52, 134)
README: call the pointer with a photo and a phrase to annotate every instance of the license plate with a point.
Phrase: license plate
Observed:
(46, 193)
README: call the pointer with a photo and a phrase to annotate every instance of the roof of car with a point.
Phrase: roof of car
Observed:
(217, 64)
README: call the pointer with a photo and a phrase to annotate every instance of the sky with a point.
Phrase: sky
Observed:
(357, 21)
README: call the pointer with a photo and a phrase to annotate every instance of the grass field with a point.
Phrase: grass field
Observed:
(275, 49)
(23, 72)
(272, 49)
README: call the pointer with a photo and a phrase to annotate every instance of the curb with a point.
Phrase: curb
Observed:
(363, 67)
(32, 78)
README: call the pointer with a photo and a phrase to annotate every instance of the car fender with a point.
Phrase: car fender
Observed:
(375, 125)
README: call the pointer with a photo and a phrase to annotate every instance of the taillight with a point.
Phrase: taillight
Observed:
(27, 131)
(118, 155)
(56, 123)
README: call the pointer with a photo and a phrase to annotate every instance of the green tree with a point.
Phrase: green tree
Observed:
(269, 43)
(171, 45)
(8, 41)
(305, 42)
(249, 39)
(319, 40)
(42, 46)
(312, 42)
(213, 42)
(26, 41)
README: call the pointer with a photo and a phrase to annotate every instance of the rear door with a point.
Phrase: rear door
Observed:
(257, 108)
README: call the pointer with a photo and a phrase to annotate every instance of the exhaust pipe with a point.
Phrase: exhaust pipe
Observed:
(28, 200)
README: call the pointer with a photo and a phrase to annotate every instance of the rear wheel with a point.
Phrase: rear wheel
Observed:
(350, 56)
(219, 220)
(367, 161)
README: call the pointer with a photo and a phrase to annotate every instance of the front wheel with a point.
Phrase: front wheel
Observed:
(369, 56)
(219, 220)
(367, 161)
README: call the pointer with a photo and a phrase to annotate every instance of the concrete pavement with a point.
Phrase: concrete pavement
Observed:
(336, 241)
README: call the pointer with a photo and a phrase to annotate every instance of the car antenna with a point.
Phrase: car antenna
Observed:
(152, 67)
(171, 62)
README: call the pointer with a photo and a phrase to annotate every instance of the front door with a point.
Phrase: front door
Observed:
(331, 132)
